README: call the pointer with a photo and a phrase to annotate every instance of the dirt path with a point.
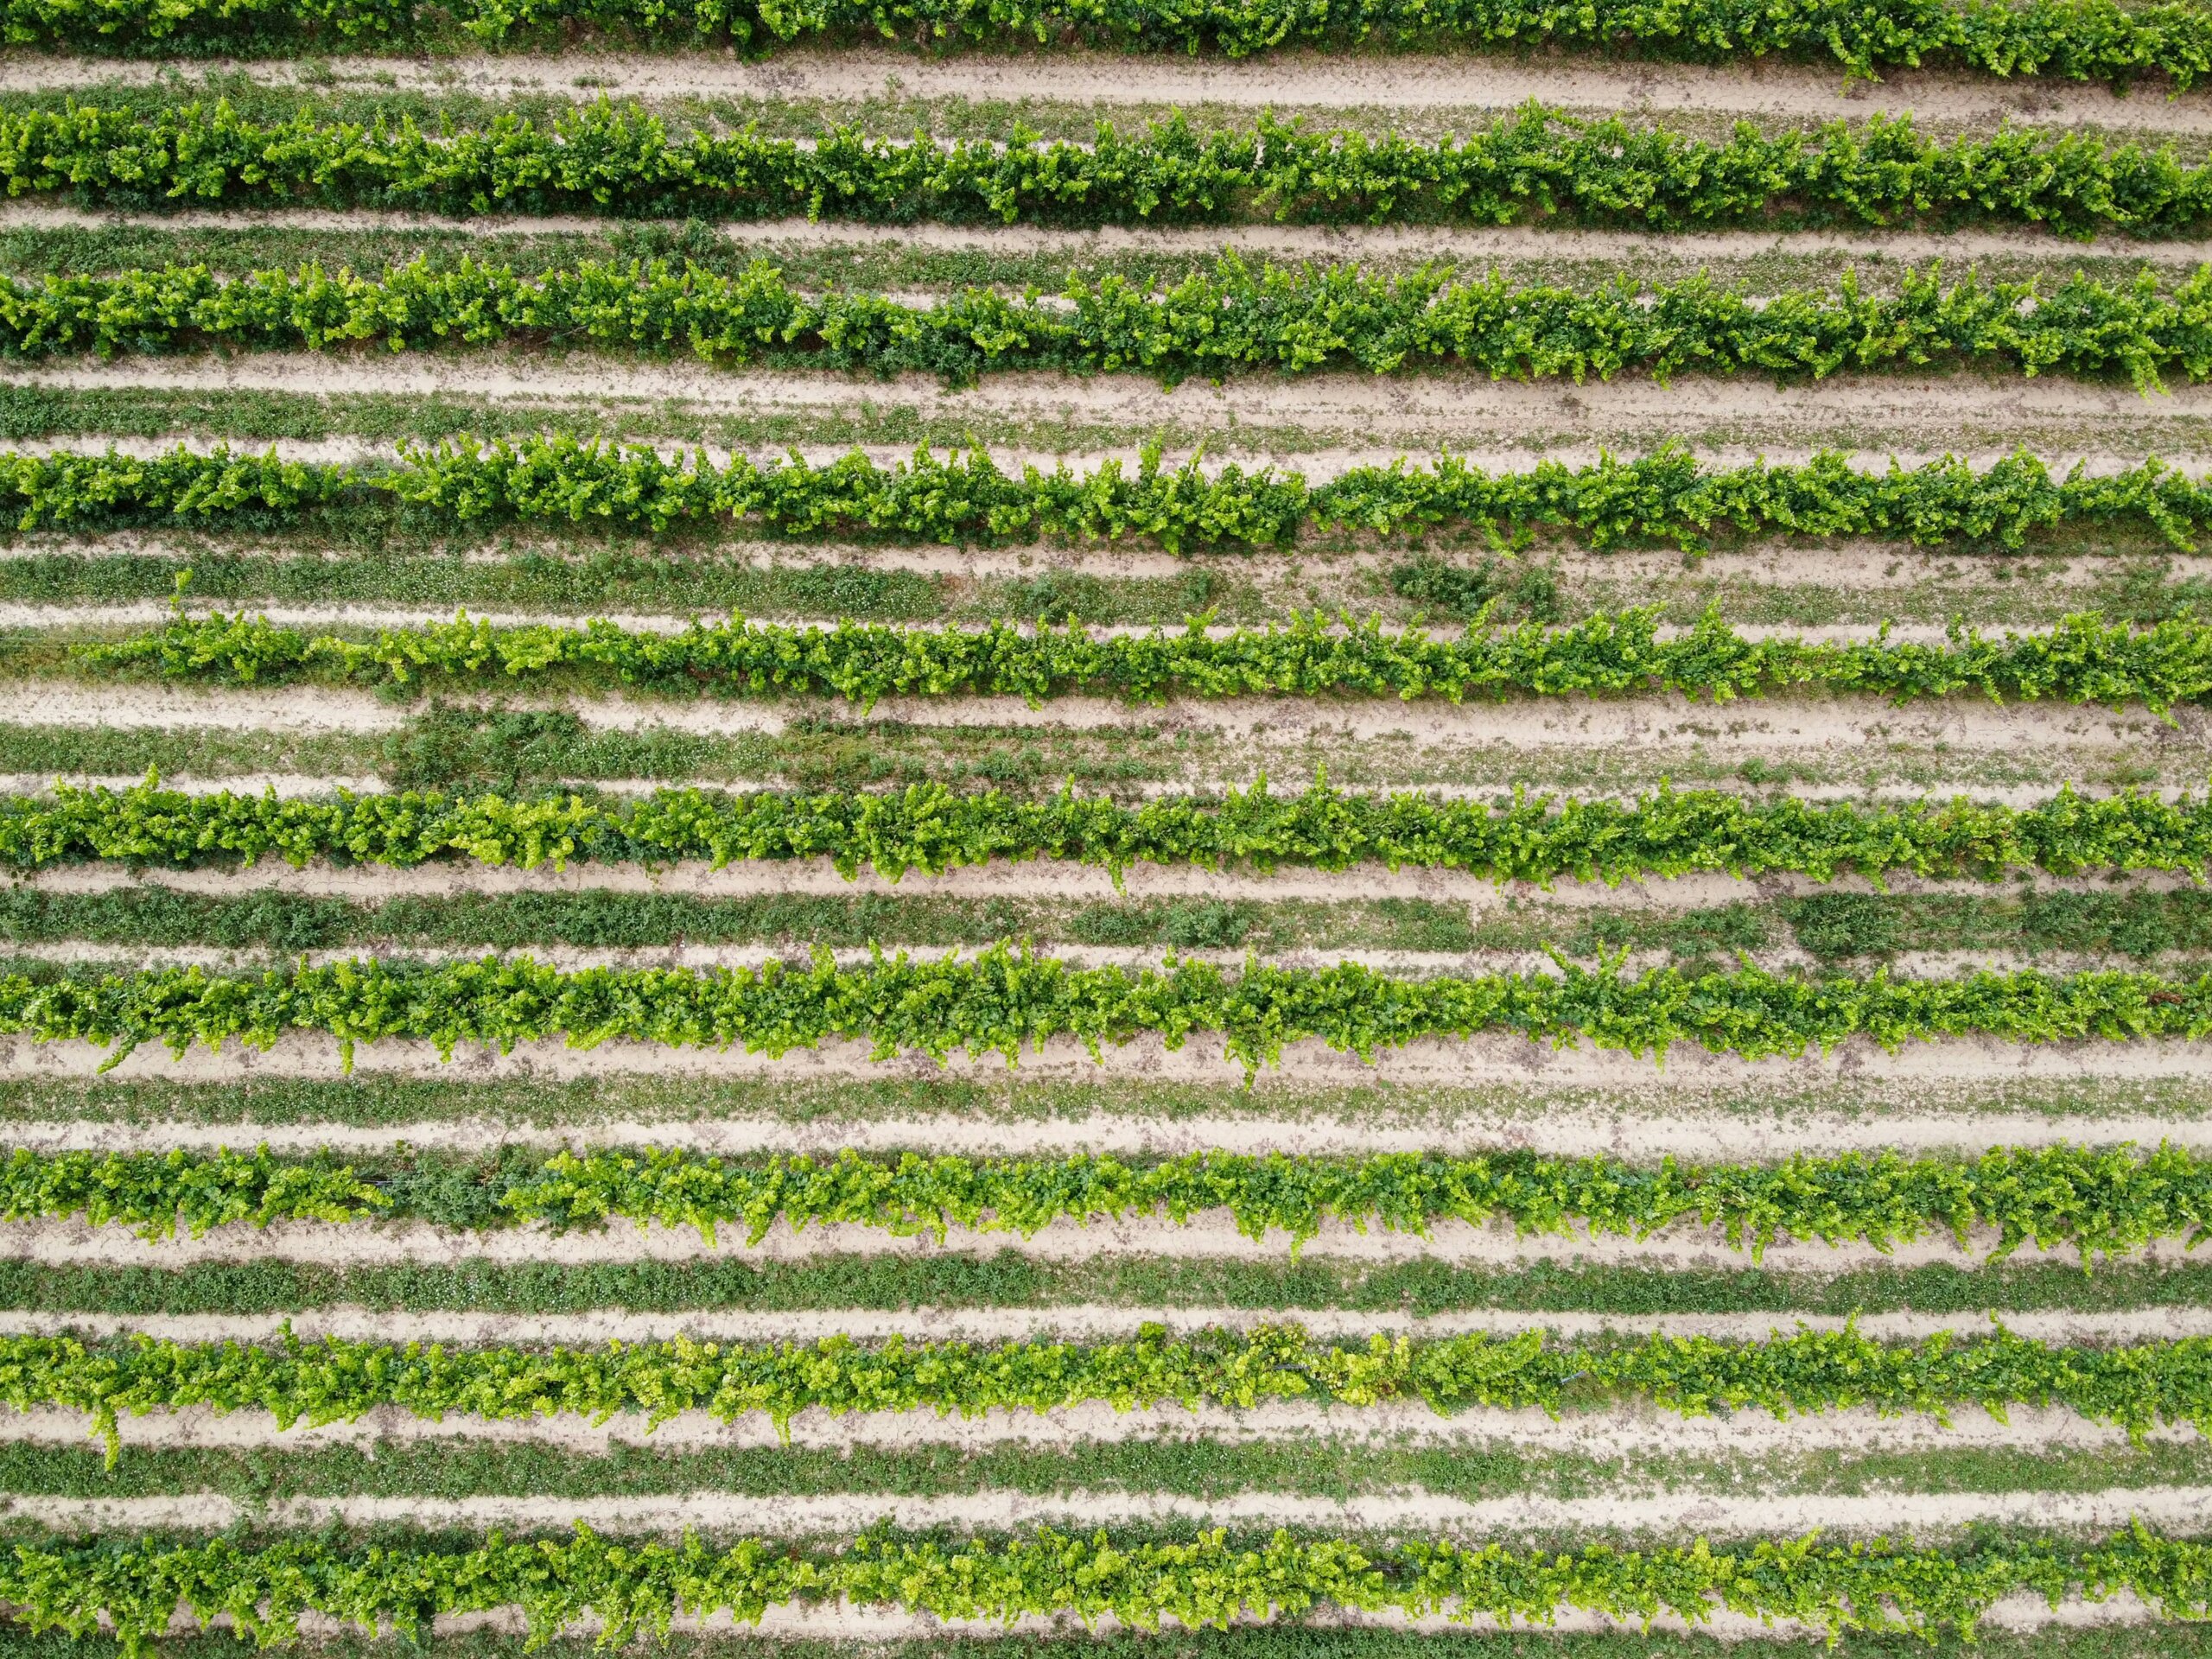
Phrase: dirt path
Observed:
(1401, 964)
(1460, 245)
(845, 1624)
(1626, 1430)
(1770, 726)
(570, 959)
(1032, 879)
(1077, 1323)
(1642, 1120)
(1282, 81)
(2013, 795)
(96, 616)
(1662, 1514)
(1496, 421)
(1210, 1234)
(1849, 565)
(1488, 1060)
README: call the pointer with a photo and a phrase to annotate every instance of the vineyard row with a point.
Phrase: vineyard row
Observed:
(1233, 319)
(1540, 164)
(132, 1587)
(1001, 1002)
(2083, 659)
(929, 827)
(2103, 1201)
(2136, 1387)
(1668, 498)
(2075, 40)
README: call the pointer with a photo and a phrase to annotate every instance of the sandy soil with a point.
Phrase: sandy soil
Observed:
(1037, 878)
(1855, 565)
(1402, 964)
(1074, 1323)
(1282, 81)
(844, 1624)
(1631, 1428)
(1491, 1058)
(1768, 725)
(1209, 1234)
(144, 613)
(1642, 1119)
(1472, 244)
(1665, 1514)
(1502, 422)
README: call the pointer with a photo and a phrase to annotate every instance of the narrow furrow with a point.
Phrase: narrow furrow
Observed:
(1401, 964)
(1621, 1432)
(1659, 1114)
(1500, 422)
(1077, 1323)
(1960, 726)
(846, 1624)
(1472, 244)
(1283, 82)
(1489, 1059)
(140, 614)
(1209, 1236)
(1918, 1515)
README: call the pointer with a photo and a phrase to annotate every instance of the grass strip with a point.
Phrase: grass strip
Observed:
(2136, 1387)
(2084, 659)
(1236, 318)
(417, 1108)
(2105, 1201)
(1316, 1465)
(1010, 1279)
(134, 1585)
(155, 916)
(1538, 164)
(1667, 498)
(1001, 1001)
(932, 828)
(1833, 927)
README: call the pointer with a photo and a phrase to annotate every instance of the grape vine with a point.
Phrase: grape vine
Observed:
(2083, 659)
(1002, 1002)
(1668, 498)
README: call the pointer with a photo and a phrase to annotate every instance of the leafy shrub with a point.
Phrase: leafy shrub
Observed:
(1834, 926)
(1530, 592)
(1666, 498)
(1233, 319)
(132, 1587)
(2084, 658)
(931, 827)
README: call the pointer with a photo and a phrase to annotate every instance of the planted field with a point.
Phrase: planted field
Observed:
(1340, 830)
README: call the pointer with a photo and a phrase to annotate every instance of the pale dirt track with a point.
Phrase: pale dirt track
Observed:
(1642, 1120)
(845, 1623)
(1502, 423)
(1856, 565)
(1208, 1235)
(291, 788)
(1076, 1324)
(1283, 81)
(1029, 880)
(1491, 1058)
(1629, 1429)
(95, 617)
(1037, 878)
(1766, 726)
(1457, 245)
(797, 955)
(1663, 1514)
